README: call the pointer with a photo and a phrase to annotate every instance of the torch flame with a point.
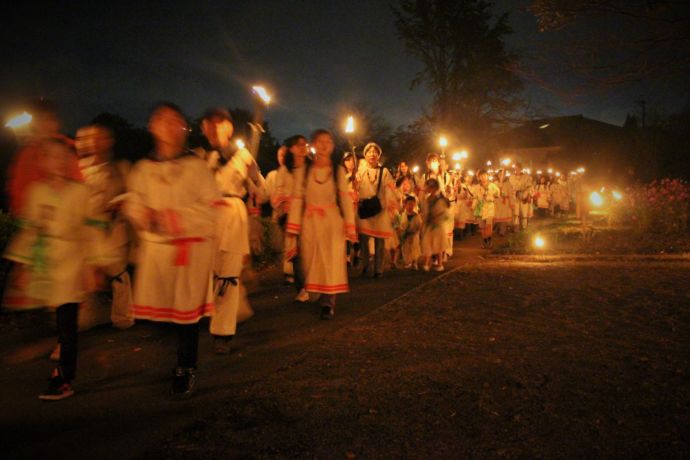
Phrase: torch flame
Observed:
(350, 125)
(262, 93)
(20, 120)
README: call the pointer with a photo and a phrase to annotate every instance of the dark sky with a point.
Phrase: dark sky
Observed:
(316, 56)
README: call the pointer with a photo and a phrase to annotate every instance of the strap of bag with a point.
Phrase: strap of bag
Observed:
(378, 187)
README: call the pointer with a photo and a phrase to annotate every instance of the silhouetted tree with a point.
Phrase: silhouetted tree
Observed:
(466, 64)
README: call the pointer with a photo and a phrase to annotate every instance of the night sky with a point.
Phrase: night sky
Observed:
(316, 56)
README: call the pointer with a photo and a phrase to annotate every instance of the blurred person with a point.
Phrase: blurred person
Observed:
(410, 230)
(522, 185)
(467, 191)
(322, 215)
(435, 215)
(277, 189)
(485, 208)
(53, 251)
(296, 157)
(238, 177)
(404, 171)
(170, 204)
(542, 196)
(375, 181)
(107, 189)
(350, 164)
(25, 167)
(560, 196)
(504, 206)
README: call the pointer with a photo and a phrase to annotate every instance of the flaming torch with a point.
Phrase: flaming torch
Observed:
(349, 130)
(262, 100)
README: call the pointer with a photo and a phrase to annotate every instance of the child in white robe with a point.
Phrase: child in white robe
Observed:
(54, 249)
(322, 214)
(410, 229)
(434, 236)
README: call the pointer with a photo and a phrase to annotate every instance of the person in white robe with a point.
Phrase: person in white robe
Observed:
(170, 203)
(485, 207)
(55, 250)
(374, 180)
(410, 229)
(237, 176)
(560, 196)
(504, 205)
(107, 187)
(523, 188)
(435, 216)
(322, 214)
(295, 158)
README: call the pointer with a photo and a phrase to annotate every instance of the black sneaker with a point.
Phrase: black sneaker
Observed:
(58, 388)
(184, 382)
(327, 313)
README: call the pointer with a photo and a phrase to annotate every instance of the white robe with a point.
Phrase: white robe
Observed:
(233, 238)
(504, 204)
(107, 186)
(323, 227)
(55, 243)
(174, 276)
(380, 225)
(435, 215)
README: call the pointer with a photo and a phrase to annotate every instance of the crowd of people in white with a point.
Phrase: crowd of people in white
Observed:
(187, 221)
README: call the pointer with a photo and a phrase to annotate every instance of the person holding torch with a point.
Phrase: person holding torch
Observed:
(237, 175)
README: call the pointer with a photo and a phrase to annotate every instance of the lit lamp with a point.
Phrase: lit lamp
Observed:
(617, 195)
(415, 169)
(240, 144)
(464, 155)
(581, 170)
(457, 156)
(539, 242)
(550, 170)
(506, 162)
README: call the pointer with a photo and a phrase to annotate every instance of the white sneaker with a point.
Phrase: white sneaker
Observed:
(439, 268)
(303, 296)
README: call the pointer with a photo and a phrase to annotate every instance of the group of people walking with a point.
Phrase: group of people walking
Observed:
(183, 222)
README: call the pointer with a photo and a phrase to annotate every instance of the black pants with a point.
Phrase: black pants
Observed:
(67, 326)
(298, 273)
(187, 345)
